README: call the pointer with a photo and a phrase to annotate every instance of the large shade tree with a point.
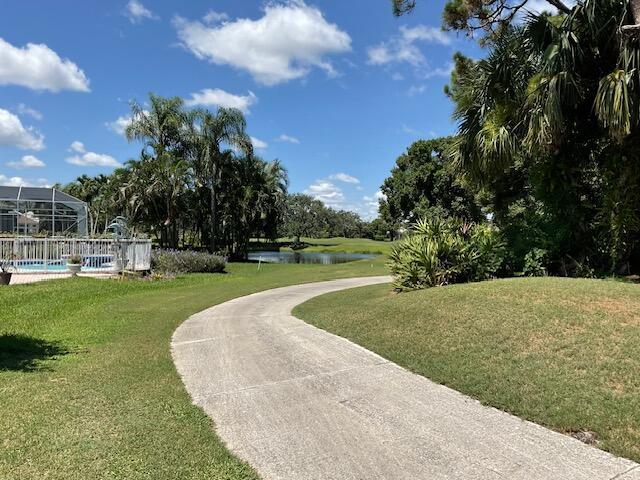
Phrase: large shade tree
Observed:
(424, 183)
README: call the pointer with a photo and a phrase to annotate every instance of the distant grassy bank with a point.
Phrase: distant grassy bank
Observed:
(88, 389)
(331, 245)
(564, 353)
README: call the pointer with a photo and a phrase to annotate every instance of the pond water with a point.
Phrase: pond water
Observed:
(308, 257)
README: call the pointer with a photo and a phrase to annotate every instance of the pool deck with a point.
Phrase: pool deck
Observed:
(24, 278)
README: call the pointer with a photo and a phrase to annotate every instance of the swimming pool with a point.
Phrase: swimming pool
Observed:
(90, 263)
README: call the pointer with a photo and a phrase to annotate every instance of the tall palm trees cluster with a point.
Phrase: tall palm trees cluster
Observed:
(197, 181)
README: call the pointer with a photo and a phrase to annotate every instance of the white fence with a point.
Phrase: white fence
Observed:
(50, 255)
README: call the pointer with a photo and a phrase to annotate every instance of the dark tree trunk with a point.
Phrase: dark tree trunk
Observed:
(214, 225)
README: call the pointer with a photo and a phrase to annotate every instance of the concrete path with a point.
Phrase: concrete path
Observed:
(299, 403)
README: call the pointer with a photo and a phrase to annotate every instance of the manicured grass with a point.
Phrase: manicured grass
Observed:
(88, 389)
(564, 353)
(346, 245)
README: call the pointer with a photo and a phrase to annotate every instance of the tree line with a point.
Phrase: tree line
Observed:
(304, 216)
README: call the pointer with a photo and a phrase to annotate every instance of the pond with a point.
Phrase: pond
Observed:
(308, 257)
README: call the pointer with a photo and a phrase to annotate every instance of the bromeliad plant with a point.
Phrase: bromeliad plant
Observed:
(439, 252)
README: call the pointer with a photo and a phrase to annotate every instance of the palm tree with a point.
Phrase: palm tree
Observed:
(213, 137)
(161, 127)
(163, 130)
(275, 183)
(558, 99)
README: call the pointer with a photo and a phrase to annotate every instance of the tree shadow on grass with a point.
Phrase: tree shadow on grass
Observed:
(26, 354)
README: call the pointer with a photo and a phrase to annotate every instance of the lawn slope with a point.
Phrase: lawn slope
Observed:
(88, 389)
(561, 352)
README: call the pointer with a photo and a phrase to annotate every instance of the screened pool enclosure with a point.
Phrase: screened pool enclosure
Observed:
(42, 228)
(46, 211)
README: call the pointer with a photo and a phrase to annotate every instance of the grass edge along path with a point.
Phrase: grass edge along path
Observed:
(88, 388)
(564, 353)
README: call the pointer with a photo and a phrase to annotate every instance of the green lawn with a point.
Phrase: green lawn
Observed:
(87, 386)
(345, 245)
(564, 353)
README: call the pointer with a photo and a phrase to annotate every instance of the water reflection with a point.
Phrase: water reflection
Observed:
(307, 257)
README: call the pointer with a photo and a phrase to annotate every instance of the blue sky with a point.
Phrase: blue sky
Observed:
(334, 89)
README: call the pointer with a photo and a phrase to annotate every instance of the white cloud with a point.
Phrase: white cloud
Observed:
(403, 49)
(343, 177)
(27, 161)
(38, 67)
(371, 204)
(409, 130)
(284, 44)
(136, 12)
(22, 182)
(440, 71)
(375, 198)
(258, 144)
(425, 33)
(119, 125)
(287, 139)
(220, 98)
(333, 196)
(215, 17)
(14, 134)
(327, 193)
(89, 159)
(77, 147)
(416, 90)
(32, 112)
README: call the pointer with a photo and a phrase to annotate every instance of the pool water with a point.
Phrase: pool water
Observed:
(308, 257)
(42, 266)
(90, 263)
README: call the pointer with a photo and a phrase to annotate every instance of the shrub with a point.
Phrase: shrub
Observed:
(535, 263)
(186, 261)
(439, 252)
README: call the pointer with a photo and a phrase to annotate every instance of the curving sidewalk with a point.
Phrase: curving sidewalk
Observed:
(299, 403)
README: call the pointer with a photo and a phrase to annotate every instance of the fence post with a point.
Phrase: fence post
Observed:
(135, 251)
(46, 254)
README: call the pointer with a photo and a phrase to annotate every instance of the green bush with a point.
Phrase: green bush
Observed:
(186, 261)
(535, 263)
(439, 252)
